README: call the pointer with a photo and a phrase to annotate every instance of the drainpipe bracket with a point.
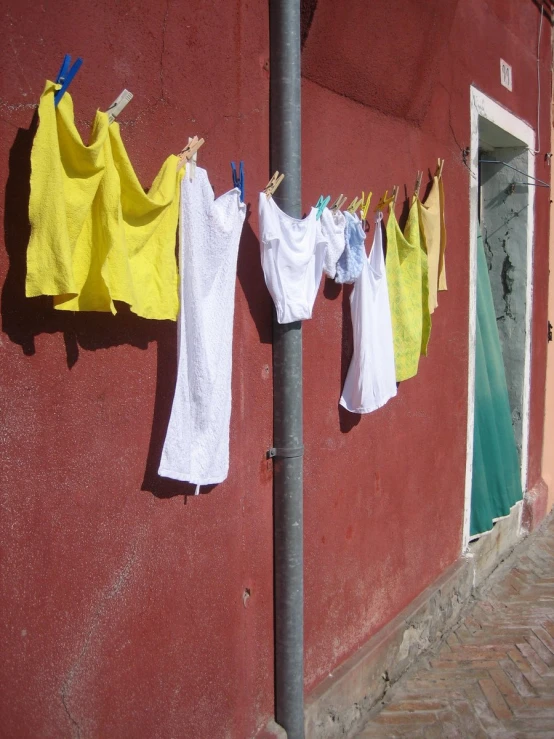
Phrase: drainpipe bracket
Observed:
(289, 452)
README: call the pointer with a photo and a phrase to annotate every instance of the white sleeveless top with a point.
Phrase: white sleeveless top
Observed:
(196, 447)
(292, 252)
(371, 378)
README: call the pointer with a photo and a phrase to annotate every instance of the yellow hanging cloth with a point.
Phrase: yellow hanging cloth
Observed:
(146, 276)
(66, 189)
(431, 215)
(96, 236)
(413, 233)
(404, 264)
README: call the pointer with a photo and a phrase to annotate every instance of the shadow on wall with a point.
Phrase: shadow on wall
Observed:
(25, 318)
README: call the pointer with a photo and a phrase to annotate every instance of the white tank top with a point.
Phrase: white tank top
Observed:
(292, 259)
(371, 378)
(196, 447)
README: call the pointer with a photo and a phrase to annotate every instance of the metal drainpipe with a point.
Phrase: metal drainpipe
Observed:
(285, 137)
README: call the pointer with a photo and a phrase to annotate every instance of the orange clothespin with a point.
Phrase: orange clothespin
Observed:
(339, 202)
(418, 184)
(440, 165)
(365, 205)
(186, 154)
(273, 184)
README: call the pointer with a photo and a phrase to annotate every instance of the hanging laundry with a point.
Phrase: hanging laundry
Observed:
(292, 252)
(147, 278)
(196, 447)
(414, 235)
(65, 203)
(371, 379)
(96, 236)
(431, 215)
(353, 257)
(404, 277)
(332, 228)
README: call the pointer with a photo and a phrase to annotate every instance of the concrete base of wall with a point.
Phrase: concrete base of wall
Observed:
(535, 506)
(340, 704)
(488, 551)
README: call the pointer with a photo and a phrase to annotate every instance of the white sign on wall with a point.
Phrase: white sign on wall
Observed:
(506, 74)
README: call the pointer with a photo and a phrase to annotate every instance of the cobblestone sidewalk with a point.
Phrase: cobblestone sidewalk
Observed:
(494, 676)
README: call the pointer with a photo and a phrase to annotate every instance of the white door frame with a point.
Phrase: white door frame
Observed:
(485, 107)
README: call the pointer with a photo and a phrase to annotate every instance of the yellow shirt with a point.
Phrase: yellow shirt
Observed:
(66, 178)
(413, 233)
(404, 264)
(96, 236)
(147, 278)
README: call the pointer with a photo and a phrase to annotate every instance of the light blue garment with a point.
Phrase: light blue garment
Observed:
(353, 257)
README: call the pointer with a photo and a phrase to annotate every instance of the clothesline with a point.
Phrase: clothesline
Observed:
(97, 238)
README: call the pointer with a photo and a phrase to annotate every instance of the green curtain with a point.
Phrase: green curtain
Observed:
(496, 482)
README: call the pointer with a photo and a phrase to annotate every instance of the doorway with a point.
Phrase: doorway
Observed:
(501, 204)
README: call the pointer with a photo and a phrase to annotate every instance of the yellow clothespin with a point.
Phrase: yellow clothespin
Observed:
(354, 205)
(440, 165)
(273, 184)
(385, 201)
(190, 149)
(339, 202)
(365, 206)
(418, 184)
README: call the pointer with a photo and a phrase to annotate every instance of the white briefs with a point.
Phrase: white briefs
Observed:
(293, 251)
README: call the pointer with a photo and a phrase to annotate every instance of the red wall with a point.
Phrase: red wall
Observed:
(125, 609)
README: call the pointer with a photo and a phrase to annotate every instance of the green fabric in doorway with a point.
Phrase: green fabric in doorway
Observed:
(496, 481)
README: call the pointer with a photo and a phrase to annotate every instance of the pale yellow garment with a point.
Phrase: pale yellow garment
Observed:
(413, 233)
(148, 281)
(404, 265)
(431, 216)
(66, 179)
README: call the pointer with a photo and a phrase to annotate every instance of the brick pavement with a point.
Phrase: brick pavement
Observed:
(494, 674)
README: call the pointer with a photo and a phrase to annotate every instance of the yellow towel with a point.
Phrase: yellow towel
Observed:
(148, 281)
(404, 265)
(66, 177)
(431, 214)
(413, 233)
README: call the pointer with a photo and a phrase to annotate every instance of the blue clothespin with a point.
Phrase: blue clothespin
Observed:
(66, 75)
(321, 205)
(238, 180)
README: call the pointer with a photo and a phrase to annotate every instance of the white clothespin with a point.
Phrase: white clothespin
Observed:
(118, 104)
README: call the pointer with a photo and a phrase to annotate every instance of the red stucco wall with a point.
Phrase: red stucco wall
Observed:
(125, 610)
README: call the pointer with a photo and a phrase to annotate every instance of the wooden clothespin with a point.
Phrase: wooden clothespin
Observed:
(418, 183)
(186, 154)
(339, 202)
(440, 165)
(365, 205)
(118, 104)
(355, 204)
(273, 184)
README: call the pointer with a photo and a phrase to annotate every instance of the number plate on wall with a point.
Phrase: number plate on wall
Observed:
(506, 74)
